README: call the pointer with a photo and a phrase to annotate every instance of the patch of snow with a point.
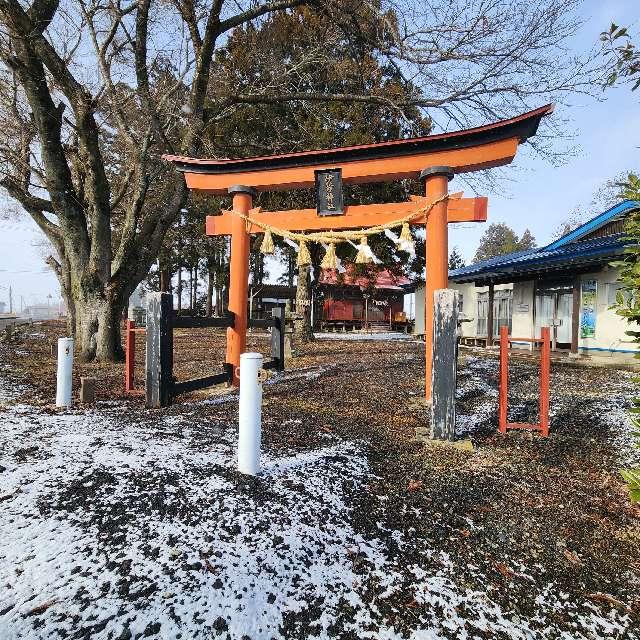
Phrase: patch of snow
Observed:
(8, 391)
(229, 556)
(477, 400)
(113, 524)
(222, 399)
(312, 373)
(626, 442)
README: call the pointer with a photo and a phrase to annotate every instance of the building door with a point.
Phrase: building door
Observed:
(564, 313)
(554, 308)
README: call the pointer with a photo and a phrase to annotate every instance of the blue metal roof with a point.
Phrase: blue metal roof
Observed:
(564, 254)
(595, 223)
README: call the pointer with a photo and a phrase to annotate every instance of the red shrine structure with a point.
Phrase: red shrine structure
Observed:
(351, 301)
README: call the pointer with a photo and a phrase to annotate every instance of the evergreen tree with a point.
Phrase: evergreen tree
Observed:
(500, 239)
(263, 55)
(628, 301)
(456, 261)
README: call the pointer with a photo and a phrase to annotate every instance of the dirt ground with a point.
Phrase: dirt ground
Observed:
(523, 537)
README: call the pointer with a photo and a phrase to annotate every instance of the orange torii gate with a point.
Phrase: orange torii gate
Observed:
(434, 159)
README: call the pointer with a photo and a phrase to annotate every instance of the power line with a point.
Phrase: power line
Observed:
(44, 270)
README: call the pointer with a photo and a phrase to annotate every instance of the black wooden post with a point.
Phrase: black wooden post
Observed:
(443, 375)
(277, 337)
(159, 349)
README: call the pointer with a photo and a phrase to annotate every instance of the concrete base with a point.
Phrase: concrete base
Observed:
(87, 390)
(423, 434)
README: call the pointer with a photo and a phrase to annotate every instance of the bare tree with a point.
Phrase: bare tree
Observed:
(574, 219)
(92, 92)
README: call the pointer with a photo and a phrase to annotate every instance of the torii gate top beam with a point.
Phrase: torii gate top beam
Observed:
(484, 147)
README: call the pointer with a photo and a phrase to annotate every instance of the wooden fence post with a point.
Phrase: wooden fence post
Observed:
(277, 337)
(159, 362)
(504, 379)
(545, 374)
(443, 373)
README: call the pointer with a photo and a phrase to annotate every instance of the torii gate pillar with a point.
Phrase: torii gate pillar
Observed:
(239, 276)
(436, 185)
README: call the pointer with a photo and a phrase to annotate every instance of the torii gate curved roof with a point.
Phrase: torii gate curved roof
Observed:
(473, 149)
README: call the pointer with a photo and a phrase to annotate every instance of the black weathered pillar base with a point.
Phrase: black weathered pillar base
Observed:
(159, 363)
(277, 337)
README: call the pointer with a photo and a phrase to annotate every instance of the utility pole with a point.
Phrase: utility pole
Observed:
(10, 299)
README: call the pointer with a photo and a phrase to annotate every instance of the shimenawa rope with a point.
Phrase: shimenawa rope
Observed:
(331, 237)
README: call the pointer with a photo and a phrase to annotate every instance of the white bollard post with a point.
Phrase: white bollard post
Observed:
(65, 367)
(250, 414)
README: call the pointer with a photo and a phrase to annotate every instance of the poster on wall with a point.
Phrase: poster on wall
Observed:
(588, 309)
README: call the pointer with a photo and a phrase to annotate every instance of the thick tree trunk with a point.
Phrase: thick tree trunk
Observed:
(302, 323)
(210, 284)
(219, 301)
(165, 280)
(98, 328)
(291, 269)
(316, 259)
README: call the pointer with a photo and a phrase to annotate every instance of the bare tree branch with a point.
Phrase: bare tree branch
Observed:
(258, 11)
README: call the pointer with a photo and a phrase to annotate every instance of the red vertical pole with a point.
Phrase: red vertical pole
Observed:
(130, 355)
(239, 277)
(545, 375)
(436, 185)
(504, 378)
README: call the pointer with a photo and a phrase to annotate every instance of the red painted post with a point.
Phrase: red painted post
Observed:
(239, 278)
(130, 355)
(504, 378)
(545, 375)
(436, 185)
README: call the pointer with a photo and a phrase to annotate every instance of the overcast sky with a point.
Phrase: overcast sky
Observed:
(537, 195)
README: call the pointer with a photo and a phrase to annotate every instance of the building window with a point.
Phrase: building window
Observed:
(502, 311)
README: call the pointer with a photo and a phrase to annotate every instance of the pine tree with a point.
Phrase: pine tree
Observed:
(500, 239)
(456, 261)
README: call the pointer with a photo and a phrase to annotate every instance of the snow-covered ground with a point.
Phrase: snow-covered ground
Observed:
(119, 524)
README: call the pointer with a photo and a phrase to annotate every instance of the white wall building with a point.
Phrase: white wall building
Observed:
(569, 285)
